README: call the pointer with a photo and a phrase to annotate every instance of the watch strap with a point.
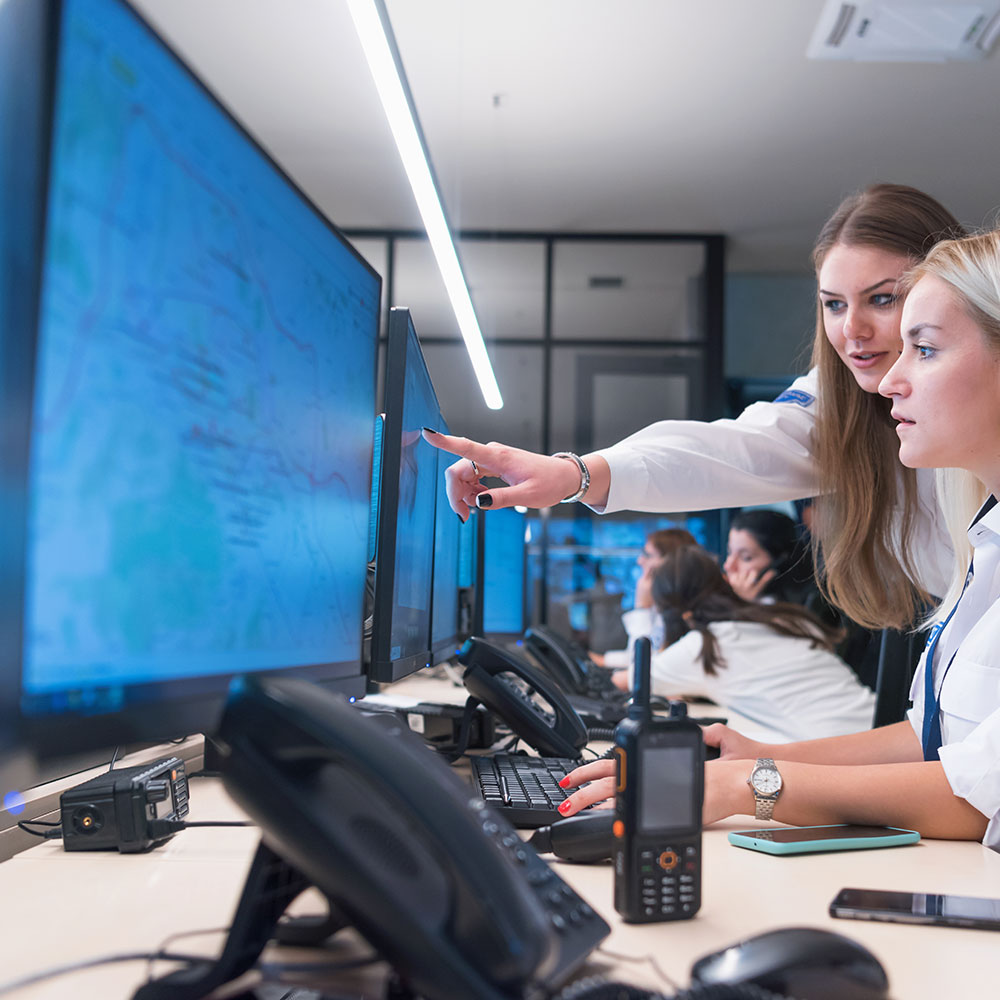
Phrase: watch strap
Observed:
(763, 804)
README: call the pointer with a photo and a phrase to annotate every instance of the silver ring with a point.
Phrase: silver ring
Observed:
(475, 468)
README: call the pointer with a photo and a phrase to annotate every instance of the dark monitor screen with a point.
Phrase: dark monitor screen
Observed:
(504, 570)
(401, 636)
(192, 493)
(445, 631)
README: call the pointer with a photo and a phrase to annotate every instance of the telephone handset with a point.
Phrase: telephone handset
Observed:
(569, 664)
(558, 658)
(440, 884)
(526, 699)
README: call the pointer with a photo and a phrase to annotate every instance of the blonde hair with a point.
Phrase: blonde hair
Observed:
(868, 500)
(971, 269)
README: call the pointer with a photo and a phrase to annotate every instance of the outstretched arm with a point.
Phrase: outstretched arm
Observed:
(534, 480)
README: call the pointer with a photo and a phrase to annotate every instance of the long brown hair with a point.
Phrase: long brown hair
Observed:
(690, 593)
(863, 552)
(665, 540)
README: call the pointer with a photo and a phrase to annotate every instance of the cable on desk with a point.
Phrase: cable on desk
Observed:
(601, 733)
(597, 988)
(158, 828)
(51, 834)
(643, 959)
(90, 963)
(270, 972)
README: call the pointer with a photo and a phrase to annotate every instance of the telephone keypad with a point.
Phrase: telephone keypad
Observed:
(573, 920)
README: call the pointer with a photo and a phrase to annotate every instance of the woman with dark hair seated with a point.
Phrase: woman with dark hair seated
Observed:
(767, 558)
(773, 663)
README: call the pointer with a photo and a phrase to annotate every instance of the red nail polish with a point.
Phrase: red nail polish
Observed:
(565, 782)
(563, 806)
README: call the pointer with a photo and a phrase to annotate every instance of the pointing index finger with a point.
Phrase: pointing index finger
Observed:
(461, 446)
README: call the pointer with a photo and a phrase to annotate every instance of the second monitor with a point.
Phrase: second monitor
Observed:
(404, 559)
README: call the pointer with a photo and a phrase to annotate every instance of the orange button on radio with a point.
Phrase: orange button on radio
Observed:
(668, 860)
(618, 829)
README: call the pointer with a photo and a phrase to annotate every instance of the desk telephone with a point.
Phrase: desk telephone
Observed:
(530, 702)
(436, 881)
(565, 661)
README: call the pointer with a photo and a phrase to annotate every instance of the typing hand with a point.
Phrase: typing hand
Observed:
(534, 480)
(601, 775)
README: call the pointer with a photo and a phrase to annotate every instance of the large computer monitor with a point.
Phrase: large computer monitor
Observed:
(188, 387)
(446, 631)
(503, 572)
(401, 636)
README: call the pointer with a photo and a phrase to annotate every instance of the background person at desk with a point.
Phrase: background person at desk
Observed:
(883, 547)
(772, 663)
(643, 619)
(767, 559)
(939, 771)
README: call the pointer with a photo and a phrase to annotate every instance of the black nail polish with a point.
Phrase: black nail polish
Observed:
(484, 500)
(430, 430)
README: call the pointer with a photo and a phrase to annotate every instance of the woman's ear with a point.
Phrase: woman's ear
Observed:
(688, 617)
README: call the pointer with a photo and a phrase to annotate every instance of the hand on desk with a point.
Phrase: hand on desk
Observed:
(726, 791)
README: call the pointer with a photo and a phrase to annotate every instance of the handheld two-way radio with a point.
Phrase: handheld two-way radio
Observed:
(657, 828)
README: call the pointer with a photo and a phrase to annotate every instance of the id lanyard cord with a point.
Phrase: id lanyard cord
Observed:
(931, 733)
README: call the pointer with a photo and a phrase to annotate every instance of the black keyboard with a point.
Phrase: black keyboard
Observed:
(524, 790)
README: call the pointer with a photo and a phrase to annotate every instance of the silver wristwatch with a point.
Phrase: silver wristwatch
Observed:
(765, 783)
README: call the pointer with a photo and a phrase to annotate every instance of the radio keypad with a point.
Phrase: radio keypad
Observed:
(669, 887)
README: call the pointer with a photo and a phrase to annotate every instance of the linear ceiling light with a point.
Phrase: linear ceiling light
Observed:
(372, 22)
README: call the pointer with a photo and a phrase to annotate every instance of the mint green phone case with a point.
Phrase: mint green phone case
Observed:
(812, 839)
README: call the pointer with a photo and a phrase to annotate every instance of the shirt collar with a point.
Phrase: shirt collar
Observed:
(986, 524)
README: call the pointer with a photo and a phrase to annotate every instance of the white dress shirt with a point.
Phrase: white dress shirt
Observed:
(969, 689)
(762, 456)
(638, 622)
(782, 683)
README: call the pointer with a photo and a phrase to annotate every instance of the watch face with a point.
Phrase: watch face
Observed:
(766, 780)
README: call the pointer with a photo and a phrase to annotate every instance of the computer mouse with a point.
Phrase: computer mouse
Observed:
(804, 962)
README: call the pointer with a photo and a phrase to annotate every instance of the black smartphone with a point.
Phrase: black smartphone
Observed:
(917, 908)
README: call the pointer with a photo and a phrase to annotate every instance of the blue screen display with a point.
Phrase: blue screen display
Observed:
(504, 566)
(202, 427)
(412, 579)
(444, 607)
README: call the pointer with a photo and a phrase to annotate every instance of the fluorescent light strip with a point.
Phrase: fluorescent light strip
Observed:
(374, 35)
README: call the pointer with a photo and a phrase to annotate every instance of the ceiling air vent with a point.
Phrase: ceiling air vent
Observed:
(605, 281)
(905, 30)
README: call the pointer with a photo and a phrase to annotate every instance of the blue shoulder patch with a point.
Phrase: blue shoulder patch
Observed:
(796, 396)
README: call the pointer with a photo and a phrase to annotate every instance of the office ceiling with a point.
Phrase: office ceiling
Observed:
(650, 115)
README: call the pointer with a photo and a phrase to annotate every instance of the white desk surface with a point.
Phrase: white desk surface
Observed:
(63, 907)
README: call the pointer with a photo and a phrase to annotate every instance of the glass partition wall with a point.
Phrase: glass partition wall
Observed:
(592, 336)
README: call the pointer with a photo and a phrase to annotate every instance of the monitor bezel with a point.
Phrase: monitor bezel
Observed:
(383, 668)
